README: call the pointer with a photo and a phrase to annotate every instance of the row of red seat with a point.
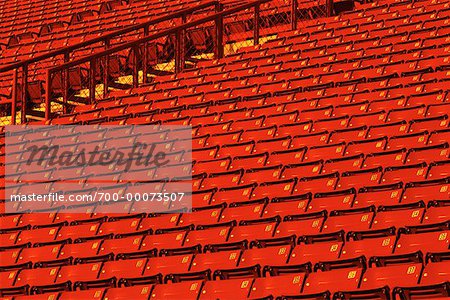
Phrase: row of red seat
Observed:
(348, 275)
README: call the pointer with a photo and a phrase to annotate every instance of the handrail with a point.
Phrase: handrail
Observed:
(108, 36)
(157, 35)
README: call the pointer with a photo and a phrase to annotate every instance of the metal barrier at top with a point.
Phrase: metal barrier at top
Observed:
(139, 57)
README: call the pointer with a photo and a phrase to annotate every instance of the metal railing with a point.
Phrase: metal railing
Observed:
(96, 74)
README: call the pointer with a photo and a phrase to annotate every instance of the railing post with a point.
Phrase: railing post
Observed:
(24, 94)
(14, 98)
(106, 70)
(66, 84)
(179, 51)
(256, 25)
(145, 59)
(294, 20)
(135, 66)
(92, 81)
(48, 108)
(219, 32)
(329, 5)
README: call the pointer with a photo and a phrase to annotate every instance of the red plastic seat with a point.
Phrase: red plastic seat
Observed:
(398, 216)
(225, 289)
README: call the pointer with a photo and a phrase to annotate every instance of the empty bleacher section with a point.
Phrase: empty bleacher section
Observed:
(321, 167)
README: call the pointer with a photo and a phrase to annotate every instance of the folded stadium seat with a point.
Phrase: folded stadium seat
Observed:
(350, 163)
(41, 235)
(439, 136)
(399, 215)
(402, 270)
(285, 284)
(177, 261)
(351, 134)
(269, 252)
(335, 276)
(276, 144)
(368, 145)
(316, 248)
(384, 104)
(408, 140)
(39, 254)
(119, 246)
(224, 138)
(254, 229)
(360, 178)
(330, 124)
(170, 238)
(439, 169)
(407, 173)
(386, 158)
(299, 128)
(437, 212)
(271, 189)
(214, 165)
(225, 289)
(355, 220)
(159, 222)
(316, 114)
(283, 206)
(139, 292)
(208, 234)
(374, 118)
(406, 114)
(319, 183)
(436, 271)
(257, 134)
(129, 268)
(243, 211)
(310, 140)
(369, 243)
(80, 272)
(435, 110)
(426, 190)
(342, 199)
(203, 216)
(37, 277)
(249, 161)
(426, 238)
(282, 118)
(428, 153)
(426, 99)
(9, 256)
(91, 294)
(325, 152)
(186, 290)
(233, 194)
(9, 277)
(226, 259)
(247, 123)
(302, 170)
(264, 174)
(428, 124)
(236, 114)
(124, 226)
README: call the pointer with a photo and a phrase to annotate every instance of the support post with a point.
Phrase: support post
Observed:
(105, 71)
(219, 33)
(329, 8)
(66, 84)
(23, 116)
(179, 51)
(294, 20)
(135, 66)
(256, 26)
(48, 108)
(92, 81)
(14, 98)
(145, 58)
